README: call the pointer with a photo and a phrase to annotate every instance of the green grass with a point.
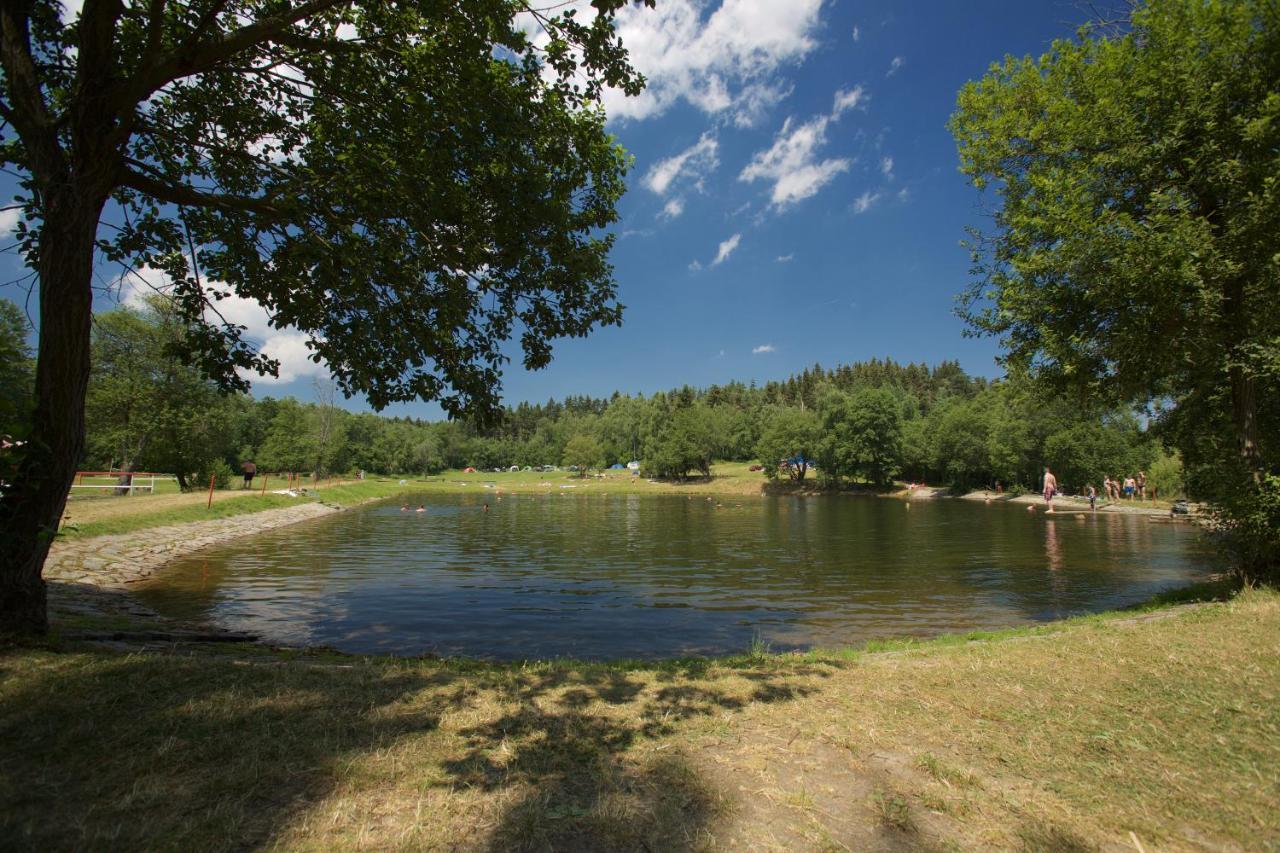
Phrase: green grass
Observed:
(116, 515)
(1167, 727)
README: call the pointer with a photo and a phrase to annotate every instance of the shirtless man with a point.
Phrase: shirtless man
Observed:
(1050, 488)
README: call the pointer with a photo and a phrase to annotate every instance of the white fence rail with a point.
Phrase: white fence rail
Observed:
(134, 481)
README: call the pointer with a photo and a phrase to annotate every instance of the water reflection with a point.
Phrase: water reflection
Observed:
(597, 576)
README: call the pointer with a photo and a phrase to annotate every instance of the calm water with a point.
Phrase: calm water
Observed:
(629, 576)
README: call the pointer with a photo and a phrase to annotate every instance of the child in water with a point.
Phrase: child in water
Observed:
(404, 508)
(421, 508)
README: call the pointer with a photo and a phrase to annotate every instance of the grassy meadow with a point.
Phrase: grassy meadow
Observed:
(1159, 727)
(103, 514)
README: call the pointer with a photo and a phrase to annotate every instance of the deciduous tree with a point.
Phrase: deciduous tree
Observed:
(405, 181)
(1133, 248)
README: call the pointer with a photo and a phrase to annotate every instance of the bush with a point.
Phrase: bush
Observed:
(1165, 475)
(1248, 525)
(219, 470)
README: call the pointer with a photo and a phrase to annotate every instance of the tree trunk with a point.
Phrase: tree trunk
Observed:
(1244, 408)
(32, 505)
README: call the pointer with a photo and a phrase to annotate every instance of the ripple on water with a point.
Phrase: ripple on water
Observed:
(656, 576)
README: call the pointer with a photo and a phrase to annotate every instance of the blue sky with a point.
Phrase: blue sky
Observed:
(794, 198)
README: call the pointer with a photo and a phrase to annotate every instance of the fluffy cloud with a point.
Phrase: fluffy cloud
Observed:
(792, 162)
(726, 249)
(857, 34)
(864, 202)
(288, 346)
(9, 221)
(693, 163)
(785, 259)
(672, 209)
(886, 167)
(716, 62)
(763, 349)
(896, 65)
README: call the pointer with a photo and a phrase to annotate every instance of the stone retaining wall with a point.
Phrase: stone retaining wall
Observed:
(110, 562)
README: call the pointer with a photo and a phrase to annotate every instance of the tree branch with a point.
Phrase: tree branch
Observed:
(27, 112)
(188, 197)
(195, 59)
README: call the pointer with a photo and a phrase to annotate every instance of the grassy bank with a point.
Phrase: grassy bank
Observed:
(102, 515)
(1164, 724)
(114, 515)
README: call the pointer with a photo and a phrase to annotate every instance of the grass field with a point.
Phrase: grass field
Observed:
(1160, 728)
(124, 514)
(111, 514)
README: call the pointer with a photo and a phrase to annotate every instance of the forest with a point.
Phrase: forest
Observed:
(867, 422)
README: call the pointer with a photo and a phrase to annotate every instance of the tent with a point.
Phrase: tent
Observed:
(617, 466)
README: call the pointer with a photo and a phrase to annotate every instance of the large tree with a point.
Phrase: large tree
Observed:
(146, 410)
(409, 182)
(1132, 252)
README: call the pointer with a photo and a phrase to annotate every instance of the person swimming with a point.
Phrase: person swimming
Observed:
(404, 508)
(421, 508)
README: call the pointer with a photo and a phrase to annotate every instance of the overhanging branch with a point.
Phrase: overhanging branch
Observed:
(195, 59)
(189, 197)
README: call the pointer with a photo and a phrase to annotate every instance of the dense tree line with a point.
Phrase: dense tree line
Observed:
(868, 422)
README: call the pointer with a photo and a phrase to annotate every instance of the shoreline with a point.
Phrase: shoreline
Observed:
(90, 579)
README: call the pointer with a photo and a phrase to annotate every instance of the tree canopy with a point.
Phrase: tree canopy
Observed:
(1132, 252)
(410, 183)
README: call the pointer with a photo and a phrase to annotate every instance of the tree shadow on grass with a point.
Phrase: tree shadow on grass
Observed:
(159, 751)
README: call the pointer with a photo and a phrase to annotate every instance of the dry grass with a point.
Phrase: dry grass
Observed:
(1166, 727)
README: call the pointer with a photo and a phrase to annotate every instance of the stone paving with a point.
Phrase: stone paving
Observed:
(90, 577)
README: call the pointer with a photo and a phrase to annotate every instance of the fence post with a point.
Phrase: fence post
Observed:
(212, 479)
(264, 485)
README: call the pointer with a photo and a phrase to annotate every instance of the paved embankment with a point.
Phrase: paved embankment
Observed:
(90, 576)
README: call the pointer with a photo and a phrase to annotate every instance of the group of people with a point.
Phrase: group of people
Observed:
(1129, 489)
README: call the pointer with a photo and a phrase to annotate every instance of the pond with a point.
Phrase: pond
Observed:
(662, 576)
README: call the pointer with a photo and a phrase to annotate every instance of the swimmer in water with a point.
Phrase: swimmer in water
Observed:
(404, 508)
(486, 506)
(421, 508)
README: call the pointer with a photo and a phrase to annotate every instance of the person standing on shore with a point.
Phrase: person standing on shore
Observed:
(1142, 486)
(1130, 486)
(1050, 488)
(1093, 498)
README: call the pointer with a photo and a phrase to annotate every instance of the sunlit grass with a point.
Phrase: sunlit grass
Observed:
(1161, 722)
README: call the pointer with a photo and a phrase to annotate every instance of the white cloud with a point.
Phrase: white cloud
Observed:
(886, 167)
(786, 259)
(9, 221)
(904, 194)
(710, 61)
(857, 34)
(672, 209)
(763, 348)
(755, 101)
(290, 349)
(726, 249)
(71, 10)
(895, 65)
(288, 346)
(694, 162)
(695, 265)
(864, 202)
(791, 163)
(846, 100)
